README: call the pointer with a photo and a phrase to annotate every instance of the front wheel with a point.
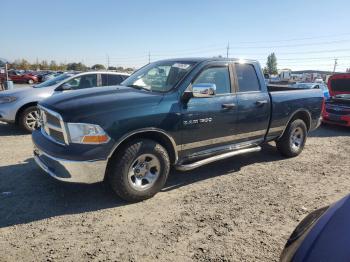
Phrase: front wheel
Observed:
(293, 140)
(30, 119)
(30, 81)
(139, 170)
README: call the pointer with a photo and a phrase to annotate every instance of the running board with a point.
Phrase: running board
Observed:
(209, 160)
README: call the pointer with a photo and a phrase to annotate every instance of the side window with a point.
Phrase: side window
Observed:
(247, 78)
(111, 80)
(215, 75)
(84, 81)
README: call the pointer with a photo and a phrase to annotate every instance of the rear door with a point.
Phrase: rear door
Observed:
(253, 112)
(209, 122)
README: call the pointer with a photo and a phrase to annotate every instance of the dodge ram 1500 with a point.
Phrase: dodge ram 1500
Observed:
(181, 112)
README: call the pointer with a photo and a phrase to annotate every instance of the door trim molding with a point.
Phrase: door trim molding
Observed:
(223, 139)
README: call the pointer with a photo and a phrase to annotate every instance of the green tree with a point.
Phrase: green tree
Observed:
(76, 67)
(271, 64)
(98, 67)
(44, 65)
(23, 64)
(53, 65)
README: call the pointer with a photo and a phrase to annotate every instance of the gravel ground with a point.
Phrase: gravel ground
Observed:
(240, 209)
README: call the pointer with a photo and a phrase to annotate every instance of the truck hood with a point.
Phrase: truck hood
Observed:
(339, 84)
(82, 104)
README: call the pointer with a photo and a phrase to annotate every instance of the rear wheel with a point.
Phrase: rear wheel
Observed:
(293, 140)
(139, 170)
(30, 119)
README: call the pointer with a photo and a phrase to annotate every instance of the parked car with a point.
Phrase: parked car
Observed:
(20, 105)
(323, 235)
(337, 108)
(18, 77)
(183, 113)
(321, 86)
(49, 76)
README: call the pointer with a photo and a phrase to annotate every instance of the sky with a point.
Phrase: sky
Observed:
(303, 34)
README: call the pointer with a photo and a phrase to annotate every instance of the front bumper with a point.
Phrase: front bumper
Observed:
(8, 112)
(86, 172)
(342, 120)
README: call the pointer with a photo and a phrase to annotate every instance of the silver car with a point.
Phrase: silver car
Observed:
(19, 105)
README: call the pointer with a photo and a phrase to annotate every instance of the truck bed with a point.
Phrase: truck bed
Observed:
(286, 101)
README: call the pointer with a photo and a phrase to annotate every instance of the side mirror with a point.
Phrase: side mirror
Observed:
(203, 90)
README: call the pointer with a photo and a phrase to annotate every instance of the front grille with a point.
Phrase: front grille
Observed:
(338, 110)
(52, 126)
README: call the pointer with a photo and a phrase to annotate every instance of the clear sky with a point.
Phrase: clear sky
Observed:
(303, 34)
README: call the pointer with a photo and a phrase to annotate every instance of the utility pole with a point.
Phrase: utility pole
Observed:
(335, 64)
(107, 61)
(227, 49)
(149, 57)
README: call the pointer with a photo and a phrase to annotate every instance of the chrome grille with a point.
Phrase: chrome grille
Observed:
(338, 110)
(52, 126)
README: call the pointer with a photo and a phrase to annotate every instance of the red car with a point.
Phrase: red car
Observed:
(17, 77)
(337, 108)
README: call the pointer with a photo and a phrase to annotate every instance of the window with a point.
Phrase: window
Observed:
(215, 75)
(111, 79)
(159, 76)
(84, 81)
(247, 79)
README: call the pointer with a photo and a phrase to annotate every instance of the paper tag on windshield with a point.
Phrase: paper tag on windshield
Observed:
(181, 66)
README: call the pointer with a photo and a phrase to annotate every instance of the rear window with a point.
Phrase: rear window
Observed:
(247, 78)
(340, 85)
(111, 80)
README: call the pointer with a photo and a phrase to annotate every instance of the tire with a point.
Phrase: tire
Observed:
(30, 81)
(293, 140)
(133, 181)
(29, 119)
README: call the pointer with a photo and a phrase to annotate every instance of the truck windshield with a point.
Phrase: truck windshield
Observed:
(53, 81)
(159, 76)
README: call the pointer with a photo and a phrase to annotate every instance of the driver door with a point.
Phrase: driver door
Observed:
(210, 122)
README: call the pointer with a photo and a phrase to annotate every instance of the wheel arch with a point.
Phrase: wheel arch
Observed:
(302, 114)
(155, 134)
(22, 108)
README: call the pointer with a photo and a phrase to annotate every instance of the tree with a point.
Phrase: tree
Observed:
(44, 65)
(53, 65)
(112, 68)
(98, 67)
(76, 67)
(271, 64)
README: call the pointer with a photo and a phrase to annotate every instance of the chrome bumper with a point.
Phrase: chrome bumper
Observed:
(86, 172)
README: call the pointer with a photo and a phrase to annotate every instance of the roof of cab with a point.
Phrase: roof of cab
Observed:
(210, 59)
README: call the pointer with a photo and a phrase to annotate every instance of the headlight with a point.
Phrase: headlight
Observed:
(7, 99)
(87, 134)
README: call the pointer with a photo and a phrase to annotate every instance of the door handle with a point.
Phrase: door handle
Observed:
(261, 102)
(228, 106)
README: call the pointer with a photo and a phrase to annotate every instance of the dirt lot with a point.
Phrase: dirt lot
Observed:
(241, 209)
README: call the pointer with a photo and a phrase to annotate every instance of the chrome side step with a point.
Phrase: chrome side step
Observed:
(203, 162)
